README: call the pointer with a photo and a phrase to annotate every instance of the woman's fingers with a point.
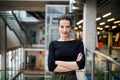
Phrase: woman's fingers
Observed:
(57, 62)
(79, 57)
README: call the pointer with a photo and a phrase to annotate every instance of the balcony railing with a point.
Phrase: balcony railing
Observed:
(102, 67)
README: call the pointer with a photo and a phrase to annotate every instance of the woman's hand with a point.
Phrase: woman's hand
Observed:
(58, 62)
(79, 57)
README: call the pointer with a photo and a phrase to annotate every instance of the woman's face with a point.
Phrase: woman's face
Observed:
(64, 28)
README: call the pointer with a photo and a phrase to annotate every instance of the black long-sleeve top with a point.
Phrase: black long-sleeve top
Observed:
(65, 51)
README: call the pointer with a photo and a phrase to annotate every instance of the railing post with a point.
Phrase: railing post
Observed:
(107, 70)
(93, 66)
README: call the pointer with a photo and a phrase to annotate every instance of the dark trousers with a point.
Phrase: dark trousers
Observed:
(64, 75)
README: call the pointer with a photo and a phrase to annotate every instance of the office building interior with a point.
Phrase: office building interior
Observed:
(28, 26)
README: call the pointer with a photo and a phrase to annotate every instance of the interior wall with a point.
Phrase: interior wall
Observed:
(12, 40)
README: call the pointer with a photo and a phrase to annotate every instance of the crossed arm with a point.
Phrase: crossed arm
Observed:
(64, 66)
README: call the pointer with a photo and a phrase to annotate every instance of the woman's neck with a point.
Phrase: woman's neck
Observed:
(65, 39)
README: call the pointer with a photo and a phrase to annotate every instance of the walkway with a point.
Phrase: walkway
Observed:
(115, 52)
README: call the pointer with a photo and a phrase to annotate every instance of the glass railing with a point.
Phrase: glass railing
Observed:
(2, 76)
(14, 25)
(25, 75)
(14, 59)
(27, 72)
(101, 67)
(10, 74)
(31, 75)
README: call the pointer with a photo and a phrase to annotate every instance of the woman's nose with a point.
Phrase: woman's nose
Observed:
(65, 29)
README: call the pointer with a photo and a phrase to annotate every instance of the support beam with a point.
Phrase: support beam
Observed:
(37, 5)
(89, 24)
(110, 43)
(3, 48)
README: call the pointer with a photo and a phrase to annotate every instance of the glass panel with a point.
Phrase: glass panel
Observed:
(53, 33)
(15, 26)
(13, 62)
(53, 12)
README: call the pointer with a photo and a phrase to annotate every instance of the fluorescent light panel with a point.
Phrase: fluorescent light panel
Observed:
(107, 26)
(99, 18)
(102, 23)
(76, 28)
(115, 22)
(106, 15)
(80, 26)
(110, 19)
(79, 22)
(113, 27)
(99, 28)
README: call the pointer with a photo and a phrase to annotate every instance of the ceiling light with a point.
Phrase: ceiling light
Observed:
(99, 18)
(76, 28)
(79, 22)
(110, 19)
(108, 14)
(113, 27)
(102, 23)
(115, 22)
(107, 26)
(98, 28)
(80, 26)
(101, 29)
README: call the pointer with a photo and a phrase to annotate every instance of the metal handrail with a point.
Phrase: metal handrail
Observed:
(107, 58)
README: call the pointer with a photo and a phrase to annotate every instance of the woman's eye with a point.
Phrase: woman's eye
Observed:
(62, 26)
(67, 26)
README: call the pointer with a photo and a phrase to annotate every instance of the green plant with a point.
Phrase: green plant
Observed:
(99, 72)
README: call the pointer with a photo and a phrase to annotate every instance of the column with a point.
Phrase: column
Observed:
(110, 43)
(89, 24)
(3, 48)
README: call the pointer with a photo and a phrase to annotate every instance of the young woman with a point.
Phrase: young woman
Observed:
(65, 54)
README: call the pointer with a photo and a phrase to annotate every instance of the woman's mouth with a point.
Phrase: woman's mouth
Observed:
(65, 32)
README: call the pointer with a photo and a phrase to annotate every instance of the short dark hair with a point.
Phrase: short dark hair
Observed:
(65, 17)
